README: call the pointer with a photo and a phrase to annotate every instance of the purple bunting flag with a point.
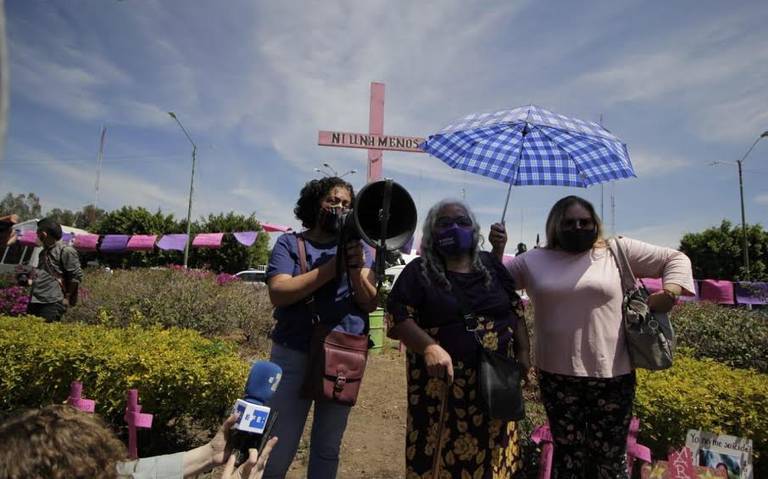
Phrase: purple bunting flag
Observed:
(246, 238)
(114, 243)
(172, 242)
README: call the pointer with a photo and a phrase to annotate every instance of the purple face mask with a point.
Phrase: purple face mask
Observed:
(454, 241)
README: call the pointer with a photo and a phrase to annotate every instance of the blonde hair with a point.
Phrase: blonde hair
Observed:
(58, 442)
(557, 214)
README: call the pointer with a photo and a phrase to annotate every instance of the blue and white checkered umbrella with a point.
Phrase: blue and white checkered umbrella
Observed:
(532, 146)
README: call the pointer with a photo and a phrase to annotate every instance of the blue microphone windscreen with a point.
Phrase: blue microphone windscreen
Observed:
(262, 381)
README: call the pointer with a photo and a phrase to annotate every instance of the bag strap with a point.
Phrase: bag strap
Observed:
(47, 266)
(628, 280)
(309, 300)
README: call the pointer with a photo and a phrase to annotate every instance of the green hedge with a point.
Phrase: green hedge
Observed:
(733, 336)
(703, 394)
(183, 379)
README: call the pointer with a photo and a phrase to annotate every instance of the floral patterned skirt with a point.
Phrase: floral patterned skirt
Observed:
(473, 445)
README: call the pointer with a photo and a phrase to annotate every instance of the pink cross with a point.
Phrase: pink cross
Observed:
(135, 419)
(542, 435)
(76, 399)
(374, 141)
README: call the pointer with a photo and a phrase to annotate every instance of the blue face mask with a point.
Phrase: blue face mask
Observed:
(454, 241)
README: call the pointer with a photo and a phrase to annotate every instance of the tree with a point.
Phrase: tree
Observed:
(26, 207)
(88, 217)
(232, 256)
(130, 220)
(62, 216)
(717, 252)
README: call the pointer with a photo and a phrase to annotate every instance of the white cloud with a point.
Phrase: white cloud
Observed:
(761, 199)
(654, 164)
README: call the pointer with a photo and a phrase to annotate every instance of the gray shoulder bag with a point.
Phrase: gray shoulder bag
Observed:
(650, 337)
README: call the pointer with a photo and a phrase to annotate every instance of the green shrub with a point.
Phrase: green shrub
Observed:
(702, 394)
(182, 378)
(733, 336)
(172, 298)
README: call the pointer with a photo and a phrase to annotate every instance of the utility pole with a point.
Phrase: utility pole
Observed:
(99, 162)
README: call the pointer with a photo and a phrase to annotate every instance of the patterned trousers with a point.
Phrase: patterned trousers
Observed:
(589, 419)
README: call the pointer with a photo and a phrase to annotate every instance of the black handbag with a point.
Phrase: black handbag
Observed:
(499, 378)
(650, 336)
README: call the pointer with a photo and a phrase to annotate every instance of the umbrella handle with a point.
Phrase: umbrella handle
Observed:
(506, 203)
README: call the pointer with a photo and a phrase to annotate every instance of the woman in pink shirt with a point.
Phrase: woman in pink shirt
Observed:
(586, 380)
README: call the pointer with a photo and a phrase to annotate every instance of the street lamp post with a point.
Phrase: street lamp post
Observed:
(333, 171)
(191, 188)
(739, 163)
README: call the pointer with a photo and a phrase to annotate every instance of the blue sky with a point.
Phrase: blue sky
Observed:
(682, 83)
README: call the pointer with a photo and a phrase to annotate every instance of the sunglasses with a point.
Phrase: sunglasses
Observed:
(447, 222)
(580, 223)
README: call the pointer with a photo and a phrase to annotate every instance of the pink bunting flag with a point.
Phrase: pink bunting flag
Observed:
(272, 228)
(652, 284)
(172, 242)
(141, 243)
(720, 292)
(67, 237)
(208, 240)
(76, 399)
(27, 238)
(114, 243)
(86, 242)
(135, 419)
(246, 238)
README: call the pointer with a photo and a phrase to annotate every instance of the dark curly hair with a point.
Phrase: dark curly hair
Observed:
(308, 205)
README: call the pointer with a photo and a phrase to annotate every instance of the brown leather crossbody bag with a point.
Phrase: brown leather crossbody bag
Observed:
(337, 359)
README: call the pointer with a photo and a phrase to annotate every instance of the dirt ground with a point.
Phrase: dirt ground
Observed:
(380, 413)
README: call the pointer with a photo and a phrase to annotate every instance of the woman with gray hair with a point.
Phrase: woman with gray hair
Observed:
(448, 430)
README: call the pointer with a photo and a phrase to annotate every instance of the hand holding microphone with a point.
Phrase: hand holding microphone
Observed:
(254, 419)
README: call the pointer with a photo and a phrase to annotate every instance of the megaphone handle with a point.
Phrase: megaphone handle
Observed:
(381, 248)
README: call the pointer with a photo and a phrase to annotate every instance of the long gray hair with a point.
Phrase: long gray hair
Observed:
(433, 263)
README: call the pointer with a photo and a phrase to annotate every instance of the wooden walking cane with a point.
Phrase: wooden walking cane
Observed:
(440, 424)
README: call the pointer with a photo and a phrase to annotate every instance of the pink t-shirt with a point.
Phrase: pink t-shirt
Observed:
(577, 303)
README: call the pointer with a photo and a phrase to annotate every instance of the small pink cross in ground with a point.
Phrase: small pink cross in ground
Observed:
(135, 419)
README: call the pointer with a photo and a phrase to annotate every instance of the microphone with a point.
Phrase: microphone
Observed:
(254, 417)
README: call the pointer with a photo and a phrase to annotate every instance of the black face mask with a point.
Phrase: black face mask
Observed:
(577, 241)
(328, 219)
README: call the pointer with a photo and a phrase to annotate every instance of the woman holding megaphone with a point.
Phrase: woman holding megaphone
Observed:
(317, 306)
(455, 307)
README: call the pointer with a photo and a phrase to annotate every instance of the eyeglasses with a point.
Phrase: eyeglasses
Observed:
(580, 223)
(447, 222)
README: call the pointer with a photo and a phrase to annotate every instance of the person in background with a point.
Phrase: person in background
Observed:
(7, 234)
(586, 380)
(424, 312)
(521, 248)
(60, 442)
(57, 277)
(339, 302)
